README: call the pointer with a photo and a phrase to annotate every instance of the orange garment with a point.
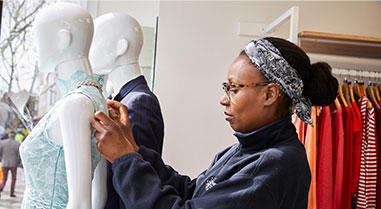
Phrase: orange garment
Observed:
(300, 129)
(311, 149)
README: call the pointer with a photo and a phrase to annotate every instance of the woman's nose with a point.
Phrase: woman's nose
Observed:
(224, 100)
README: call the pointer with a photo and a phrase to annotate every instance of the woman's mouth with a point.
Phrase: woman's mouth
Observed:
(228, 117)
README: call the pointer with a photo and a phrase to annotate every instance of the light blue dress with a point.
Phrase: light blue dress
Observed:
(43, 159)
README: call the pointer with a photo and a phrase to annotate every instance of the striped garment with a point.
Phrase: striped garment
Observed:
(368, 168)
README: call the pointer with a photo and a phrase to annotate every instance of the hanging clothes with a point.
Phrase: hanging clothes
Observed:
(311, 150)
(324, 177)
(357, 137)
(343, 153)
(348, 157)
(338, 136)
(371, 184)
(378, 122)
(368, 168)
(300, 128)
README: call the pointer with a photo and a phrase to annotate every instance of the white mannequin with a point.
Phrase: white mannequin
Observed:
(64, 32)
(116, 53)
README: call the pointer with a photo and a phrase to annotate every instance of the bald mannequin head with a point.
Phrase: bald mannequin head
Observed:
(63, 32)
(122, 46)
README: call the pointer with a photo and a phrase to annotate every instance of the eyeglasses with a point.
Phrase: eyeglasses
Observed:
(233, 87)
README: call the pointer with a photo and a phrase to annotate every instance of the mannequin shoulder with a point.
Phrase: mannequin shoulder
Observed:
(76, 102)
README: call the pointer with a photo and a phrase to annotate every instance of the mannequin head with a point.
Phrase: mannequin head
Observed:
(122, 46)
(63, 32)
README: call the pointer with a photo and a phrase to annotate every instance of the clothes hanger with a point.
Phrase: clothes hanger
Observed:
(356, 85)
(341, 93)
(360, 89)
(364, 92)
(351, 93)
(337, 102)
(352, 96)
(371, 95)
(375, 86)
(346, 92)
(378, 75)
(362, 84)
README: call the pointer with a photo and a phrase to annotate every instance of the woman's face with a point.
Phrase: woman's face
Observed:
(245, 108)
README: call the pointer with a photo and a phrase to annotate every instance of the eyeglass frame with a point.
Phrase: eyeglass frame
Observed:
(238, 86)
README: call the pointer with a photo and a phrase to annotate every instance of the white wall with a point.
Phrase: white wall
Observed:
(197, 42)
(144, 12)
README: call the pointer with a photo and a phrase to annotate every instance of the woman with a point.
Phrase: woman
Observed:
(267, 168)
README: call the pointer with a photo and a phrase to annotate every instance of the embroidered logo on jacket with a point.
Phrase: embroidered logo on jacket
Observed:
(210, 183)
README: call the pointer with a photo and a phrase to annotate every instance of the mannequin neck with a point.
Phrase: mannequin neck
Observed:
(66, 68)
(123, 74)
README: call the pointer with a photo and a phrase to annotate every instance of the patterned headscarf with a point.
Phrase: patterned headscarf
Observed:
(268, 59)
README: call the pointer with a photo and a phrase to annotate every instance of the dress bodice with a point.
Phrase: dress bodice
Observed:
(43, 158)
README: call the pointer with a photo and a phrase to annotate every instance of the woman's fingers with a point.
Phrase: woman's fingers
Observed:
(120, 110)
(113, 115)
(124, 115)
(103, 118)
(114, 136)
(114, 104)
(98, 135)
(98, 126)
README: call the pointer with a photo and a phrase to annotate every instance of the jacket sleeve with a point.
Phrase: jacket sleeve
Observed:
(140, 185)
(167, 175)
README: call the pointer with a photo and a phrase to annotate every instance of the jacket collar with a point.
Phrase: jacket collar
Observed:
(129, 86)
(269, 135)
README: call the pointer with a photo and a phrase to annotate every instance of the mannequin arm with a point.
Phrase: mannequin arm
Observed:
(75, 115)
(99, 187)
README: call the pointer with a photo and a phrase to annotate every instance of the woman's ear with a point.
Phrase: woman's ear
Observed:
(64, 39)
(121, 47)
(272, 94)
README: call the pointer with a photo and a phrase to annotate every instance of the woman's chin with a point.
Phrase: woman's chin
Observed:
(234, 126)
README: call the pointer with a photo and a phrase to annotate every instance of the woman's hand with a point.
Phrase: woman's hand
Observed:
(118, 112)
(114, 134)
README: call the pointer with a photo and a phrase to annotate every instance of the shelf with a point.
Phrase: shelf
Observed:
(340, 44)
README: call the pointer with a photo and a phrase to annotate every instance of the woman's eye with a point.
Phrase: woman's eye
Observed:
(234, 90)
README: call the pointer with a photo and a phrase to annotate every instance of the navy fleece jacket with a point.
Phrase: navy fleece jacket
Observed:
(267, 169)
